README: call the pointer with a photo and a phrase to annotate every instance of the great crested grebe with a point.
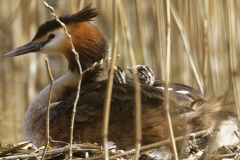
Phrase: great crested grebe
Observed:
(92, 47)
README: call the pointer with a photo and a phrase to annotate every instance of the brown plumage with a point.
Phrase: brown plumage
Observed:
(88, 122)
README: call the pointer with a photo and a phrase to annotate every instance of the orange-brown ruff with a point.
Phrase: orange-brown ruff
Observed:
(188, 108)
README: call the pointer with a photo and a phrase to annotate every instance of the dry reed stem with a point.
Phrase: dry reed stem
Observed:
(107, 102)
(48, 106)
(233, 59)
(141, 31)
(167, 75)
(138, 129)
(187, 46)
(73, 6)
(165, 142)
(80, 78)
(161, 32)
(81, 3)
(206, 58)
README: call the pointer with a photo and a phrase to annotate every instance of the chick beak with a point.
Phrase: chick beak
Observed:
(27, 48)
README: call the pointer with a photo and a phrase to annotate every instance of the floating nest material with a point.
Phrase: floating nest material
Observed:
(196, 148)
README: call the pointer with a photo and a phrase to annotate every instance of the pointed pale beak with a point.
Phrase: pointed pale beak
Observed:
(27, 48)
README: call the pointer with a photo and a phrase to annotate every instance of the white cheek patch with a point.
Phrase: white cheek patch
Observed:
(54, 46)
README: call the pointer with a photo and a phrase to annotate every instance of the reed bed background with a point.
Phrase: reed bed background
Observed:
(210, 28)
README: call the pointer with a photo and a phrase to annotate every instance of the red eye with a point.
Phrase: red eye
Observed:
(51, 36)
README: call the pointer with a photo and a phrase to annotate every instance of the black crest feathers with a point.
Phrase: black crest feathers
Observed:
(86, 14)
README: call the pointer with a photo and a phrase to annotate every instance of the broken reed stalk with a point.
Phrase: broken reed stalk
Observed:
(165, 142)
(107, 102)
(232, 53)
(187, 46)
(167, 75)
(80, 71)
(138, 128)
(222, 156)
(56, 141)
(48, 106)
(53, 153)
(13, 149)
